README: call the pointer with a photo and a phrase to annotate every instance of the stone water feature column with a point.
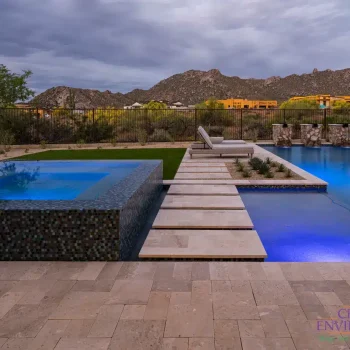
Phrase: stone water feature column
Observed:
(311, 134)
(282, 135)
(339, 134)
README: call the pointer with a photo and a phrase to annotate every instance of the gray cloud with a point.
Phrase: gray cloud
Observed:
(122, 45)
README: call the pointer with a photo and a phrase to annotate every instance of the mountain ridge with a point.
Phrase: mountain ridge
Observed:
(195, 86)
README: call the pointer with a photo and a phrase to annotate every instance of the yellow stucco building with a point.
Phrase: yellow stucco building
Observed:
(322, 100)
(238, 103)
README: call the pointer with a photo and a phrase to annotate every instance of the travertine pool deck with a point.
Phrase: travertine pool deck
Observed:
(202, 202)
(211, 219)
(223, 190)
(207, 244)
(212, 169)
(172, 305)
(201, 221)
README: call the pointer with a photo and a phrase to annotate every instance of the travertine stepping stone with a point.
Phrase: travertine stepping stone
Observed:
(202, 202)
(192, 165)
(186, 176)
(222, 190)
(202, 170)
(202, 244)
(182, 218)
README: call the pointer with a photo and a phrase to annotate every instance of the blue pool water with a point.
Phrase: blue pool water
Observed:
(331, 164)
(297, 226)
(60, 180)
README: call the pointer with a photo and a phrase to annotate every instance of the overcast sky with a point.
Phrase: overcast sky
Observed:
(122, 45)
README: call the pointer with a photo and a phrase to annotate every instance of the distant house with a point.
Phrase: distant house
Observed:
(136, 105)
(177, 105)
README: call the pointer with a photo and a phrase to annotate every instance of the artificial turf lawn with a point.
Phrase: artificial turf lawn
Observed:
(171, 156)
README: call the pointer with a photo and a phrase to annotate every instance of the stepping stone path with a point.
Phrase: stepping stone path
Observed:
(203, 220)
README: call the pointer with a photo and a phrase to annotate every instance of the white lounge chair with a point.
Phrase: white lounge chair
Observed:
(220, 140)
(228, 149)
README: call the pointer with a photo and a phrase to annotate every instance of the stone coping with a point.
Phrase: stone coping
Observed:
(113, 198)
(207, 244)
(309, 179)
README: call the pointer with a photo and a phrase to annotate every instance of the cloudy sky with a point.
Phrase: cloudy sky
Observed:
(125, 44)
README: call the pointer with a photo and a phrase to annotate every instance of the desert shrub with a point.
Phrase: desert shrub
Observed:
(273, 164)
(255, 127)
(179, 126)
(160, 135)
(92, 132)
(288, 173)
(255, 163)
(281, 168)
(127, 137)
(264, 168)
(268, 160)
(114, 141)
(227, 133)
(142, 136)
(246, 173)
(269, 174)
(215, 130)
(80, 143)
(19, 124)
(240, 167)
(126, 123)
(6, 139)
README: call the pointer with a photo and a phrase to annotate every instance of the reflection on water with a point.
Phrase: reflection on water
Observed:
(14, 179)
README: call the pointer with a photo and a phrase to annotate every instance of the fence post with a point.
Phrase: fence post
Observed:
(93, 125)
(284, 116)
(241, 124)
(325, 122)
(37, 123)
(195, 124)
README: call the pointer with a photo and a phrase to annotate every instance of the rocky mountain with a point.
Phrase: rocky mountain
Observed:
(62, 96)
(195, 86)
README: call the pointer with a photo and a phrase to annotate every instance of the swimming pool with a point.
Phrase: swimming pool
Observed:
(61, 180)
(300, 226)
(331, 164)
(75, 210)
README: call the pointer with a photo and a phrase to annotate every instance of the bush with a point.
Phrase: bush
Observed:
(240, 167)
(179, 126)
(160, 135)
(281, 168)
(142, 136)
(264, 168)
(80, 143)
(269, 174)
(255, 163)
(246, 173)
(289, 173)
(227, 134)
(6, 139)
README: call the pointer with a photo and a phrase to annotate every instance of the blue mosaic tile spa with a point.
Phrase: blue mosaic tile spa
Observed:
(75, 210)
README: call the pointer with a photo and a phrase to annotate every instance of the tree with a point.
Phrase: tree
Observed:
(340, 104)
(155, 105)
(300, 104)
(212, 103)
(13, 87)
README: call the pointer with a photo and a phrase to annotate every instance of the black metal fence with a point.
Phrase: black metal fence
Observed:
(32, 126)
